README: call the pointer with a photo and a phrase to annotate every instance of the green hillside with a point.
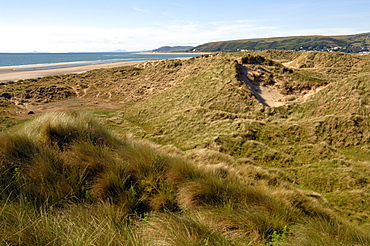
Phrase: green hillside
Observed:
(349, 43)
(246, 148)
(173, 49)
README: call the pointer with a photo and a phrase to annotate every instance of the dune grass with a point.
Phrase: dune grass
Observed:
(228, 171)
(66, 180)
(307, 141)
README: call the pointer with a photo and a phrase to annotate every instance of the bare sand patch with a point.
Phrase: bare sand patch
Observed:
(267, 95)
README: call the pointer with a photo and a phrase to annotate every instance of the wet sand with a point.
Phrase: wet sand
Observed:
(9, 74)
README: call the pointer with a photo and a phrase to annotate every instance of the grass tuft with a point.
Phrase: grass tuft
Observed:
(65, 179)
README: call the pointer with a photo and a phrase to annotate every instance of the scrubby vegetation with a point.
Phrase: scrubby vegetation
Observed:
(195, 152)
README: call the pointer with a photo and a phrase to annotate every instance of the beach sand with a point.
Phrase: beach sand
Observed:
(8, 74)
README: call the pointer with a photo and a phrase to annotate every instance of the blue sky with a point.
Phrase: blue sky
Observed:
(107, 25)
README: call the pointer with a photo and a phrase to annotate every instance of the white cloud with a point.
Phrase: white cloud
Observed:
(67, 38)
(140, 10)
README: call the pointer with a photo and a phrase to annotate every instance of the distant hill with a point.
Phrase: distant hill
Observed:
(120, 50)
(348, 43)
(173, 49)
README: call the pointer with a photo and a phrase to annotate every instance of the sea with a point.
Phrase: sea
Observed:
(39, 61)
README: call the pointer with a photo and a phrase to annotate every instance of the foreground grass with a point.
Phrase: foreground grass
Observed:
(66, 180)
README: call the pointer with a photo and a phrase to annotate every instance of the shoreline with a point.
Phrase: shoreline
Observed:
(15, 73)
(25, 72)
(180, 53)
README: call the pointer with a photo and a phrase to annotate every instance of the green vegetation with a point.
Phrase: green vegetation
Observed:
(173, 49)
(350, 43)
(66, 180)
(192, 152)
(302, 140)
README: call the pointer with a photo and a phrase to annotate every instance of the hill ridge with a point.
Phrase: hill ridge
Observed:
(345, 43)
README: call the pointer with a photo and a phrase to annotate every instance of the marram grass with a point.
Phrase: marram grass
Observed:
(66, 180)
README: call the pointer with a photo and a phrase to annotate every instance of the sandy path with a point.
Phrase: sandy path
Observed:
(8, 74)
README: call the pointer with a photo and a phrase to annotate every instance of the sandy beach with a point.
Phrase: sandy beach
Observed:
(9, 74)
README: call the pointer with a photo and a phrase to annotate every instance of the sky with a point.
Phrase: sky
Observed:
(134, 25)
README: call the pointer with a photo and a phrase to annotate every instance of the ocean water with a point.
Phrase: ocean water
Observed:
(40, 60)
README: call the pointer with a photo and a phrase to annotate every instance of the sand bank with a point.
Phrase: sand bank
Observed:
(9, 74)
